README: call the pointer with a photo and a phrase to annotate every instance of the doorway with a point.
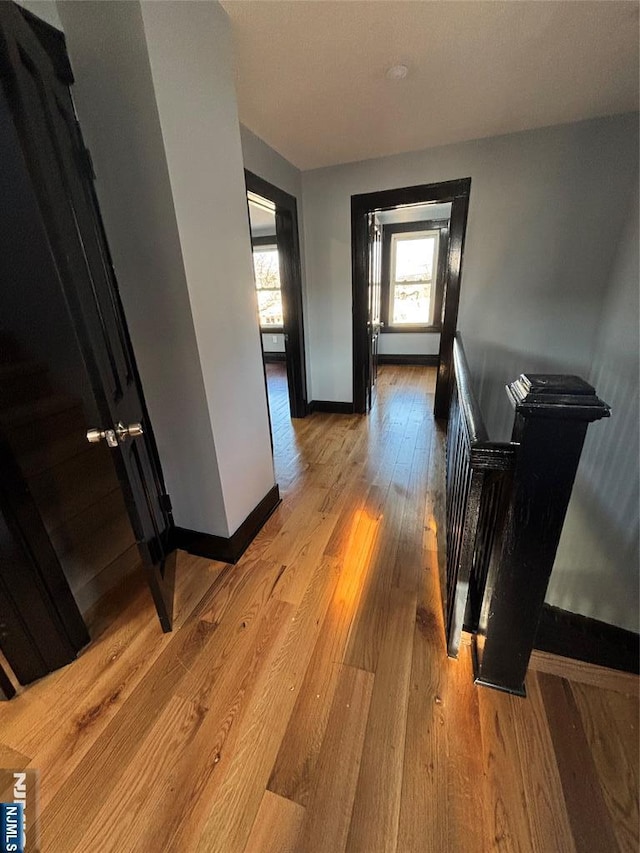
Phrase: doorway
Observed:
(394, 291)
(273, 219)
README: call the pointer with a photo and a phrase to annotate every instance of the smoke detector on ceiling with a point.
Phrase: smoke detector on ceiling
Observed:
(397, 72)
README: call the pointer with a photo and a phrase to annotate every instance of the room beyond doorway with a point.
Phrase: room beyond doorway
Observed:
(423, 296)
(273, 222)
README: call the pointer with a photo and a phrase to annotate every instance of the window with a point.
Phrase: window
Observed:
(412, 279)
(267, 272)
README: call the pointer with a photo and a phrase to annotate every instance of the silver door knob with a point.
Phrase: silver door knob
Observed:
(95, 435)
(132, 431)
(114, 436)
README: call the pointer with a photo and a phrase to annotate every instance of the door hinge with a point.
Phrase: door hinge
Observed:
(165, 503)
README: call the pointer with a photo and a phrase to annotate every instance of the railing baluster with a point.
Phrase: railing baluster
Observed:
(471, 459)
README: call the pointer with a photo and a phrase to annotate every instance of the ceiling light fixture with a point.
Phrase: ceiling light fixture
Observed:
(397, 72)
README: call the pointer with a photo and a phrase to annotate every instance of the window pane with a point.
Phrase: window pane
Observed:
(265, 264)
(270, 307)
(414, 259)
(411, 304)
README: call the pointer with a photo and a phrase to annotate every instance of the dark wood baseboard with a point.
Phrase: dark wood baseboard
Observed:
(274, 357)
(228, 550)
(331, 406)
(424, 360)
(572, 635)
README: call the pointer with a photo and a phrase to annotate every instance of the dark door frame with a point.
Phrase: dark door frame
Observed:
(457, 192)
(288, 242)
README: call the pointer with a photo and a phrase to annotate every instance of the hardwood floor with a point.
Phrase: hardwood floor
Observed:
(304, 701)
(279, 410)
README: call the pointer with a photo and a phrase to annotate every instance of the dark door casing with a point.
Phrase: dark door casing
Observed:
(288, 242)
(374, 307)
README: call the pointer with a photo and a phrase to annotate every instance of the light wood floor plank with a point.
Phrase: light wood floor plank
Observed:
(294, 767)
(234, 796)
(467, 791)
(330, 802)
(277, 826)
(586, 807)
(376, 809)
(546, 809)
(506, 816)
(610, 721)
(425, 757)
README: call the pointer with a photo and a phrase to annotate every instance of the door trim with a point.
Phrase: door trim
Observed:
(291, 285)
(457, 192)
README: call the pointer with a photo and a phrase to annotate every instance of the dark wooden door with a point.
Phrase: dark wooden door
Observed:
(374, 320)
(36, 78)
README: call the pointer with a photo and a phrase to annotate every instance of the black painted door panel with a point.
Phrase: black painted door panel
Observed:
(36, 81)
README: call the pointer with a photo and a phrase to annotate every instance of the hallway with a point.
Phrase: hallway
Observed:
(304, 701)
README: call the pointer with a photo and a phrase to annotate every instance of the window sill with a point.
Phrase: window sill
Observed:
(395, 330)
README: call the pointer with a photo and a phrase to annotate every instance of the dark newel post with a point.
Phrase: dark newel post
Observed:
(552, 415)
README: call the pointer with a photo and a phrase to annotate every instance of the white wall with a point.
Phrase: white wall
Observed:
(175, 212)
(600, 542)
(263, 161)
(409, 343)
(273, 342)
(47, 10)
(537, 249)
(190, 55)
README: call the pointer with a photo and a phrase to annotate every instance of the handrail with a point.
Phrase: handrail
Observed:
(492, 455)
(472, 412)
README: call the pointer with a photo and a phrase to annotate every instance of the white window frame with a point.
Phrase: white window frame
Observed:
(406, 236)
(269, 247)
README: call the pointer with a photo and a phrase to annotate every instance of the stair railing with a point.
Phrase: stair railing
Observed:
(505, 506)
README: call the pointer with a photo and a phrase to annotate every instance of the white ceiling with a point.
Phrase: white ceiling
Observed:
(311, 73)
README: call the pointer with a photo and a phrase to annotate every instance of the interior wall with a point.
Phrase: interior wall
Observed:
(263, 161)
(115, 100)
(273, 342)
(46, 10)
(191, 60)
(409, 343)
(600, 542)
